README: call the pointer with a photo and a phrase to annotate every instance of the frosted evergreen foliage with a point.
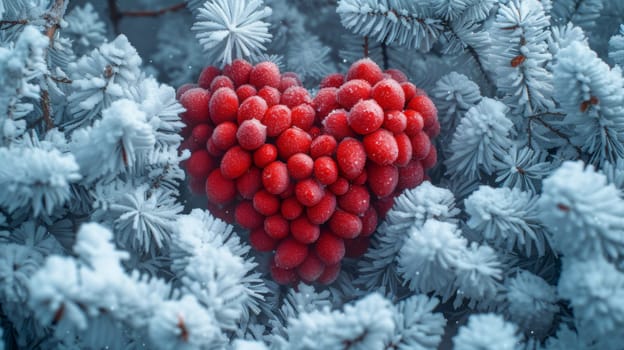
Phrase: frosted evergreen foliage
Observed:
(481, 137)
(454, 95)
(524, 168)
(100, 247)
(21, 64)
(404, 23)
(112, 145)
(532, 303)
(507, 218)
(487, 331)
(595, 290)
(616, 47)
(367, 324)
(100, 77)
(232, 28)
(411, 210)
(582, 212)
(592, 96)
(39, 179)
(519, 54)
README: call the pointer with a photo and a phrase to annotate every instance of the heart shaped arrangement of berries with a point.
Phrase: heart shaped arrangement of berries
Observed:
(309, 177)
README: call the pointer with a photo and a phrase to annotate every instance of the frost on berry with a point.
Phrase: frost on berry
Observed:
(300, 166)
(309, 192)
(223, 105)
(356, 200)
(195, 101)
(275, 177)
(249, 183)
(304, 231)
(345, 225)
(270, 94)
(253, 107)
(325, 102)
(381, 147)
(329, 248)
(351, 158)
(277, 119)
(266, 203)
(302, 116)
(238, 71)
(293, 140)
(389, 95)
(265, 74)
(224, 135)
(294, 96)
(365, 117)
(365, 69)
(221, 81)
(235, 162)
(323, 145)
(251, 134)
(336, 124)
(382, 179)
(276, 226)
(352, 92)
(265, 155)
(321, 212)
(207, 75)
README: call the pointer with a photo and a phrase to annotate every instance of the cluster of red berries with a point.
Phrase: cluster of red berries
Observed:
(309, 177)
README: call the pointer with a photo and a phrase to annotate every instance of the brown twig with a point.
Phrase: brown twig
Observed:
(53, 18)
(154, 13)
(12, 23)
(537, 118)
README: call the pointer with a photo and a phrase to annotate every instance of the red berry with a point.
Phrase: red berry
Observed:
(382, 179)
(287, 82)
(354, 248)
(369, 222)
(219, 189)
(291, 208)
(340, 187)
(329, 248)
(292, 75)
(325, 102)
(293, 140)
(294, 96)
(239, 71)
(275, 177)
(430, 160)
(265, 155)
(277, 119)
(300, 166)
(195, 101)
(213, 150)
(199, 136)
(332, 80)
(365, 69)
(409, 90)
(404, 145)
(290, 254)
(336, 124)
(434, 130)
(207, 75)
(365, 117)
(266, 203)
(289, 191)
(355, 201)
(309, 192)
(260, 241)
(245, 91)
(420, 145)
(321, 212)
(249, 183)
(345, 225)
(265, 74)
(184, 88)
(224, 135)
(329, 275)
(381, 147)
(351, 158)
(396, 74)
(223, 105)
(325, 170)
(423, 105)
(389, 95)
(302, 116)
(361, 179)
(276, 227)
(352, 92)
(304, 231)
(253, 107)
(270, 94)
(235, 162)
(395, 121)
(323, 145)
(383, 205)
(414, 123)
(311, 268)
(251, 134)
(284, 276)
(411, 175)
(247, 216)
(221, 81)
(200, 164)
